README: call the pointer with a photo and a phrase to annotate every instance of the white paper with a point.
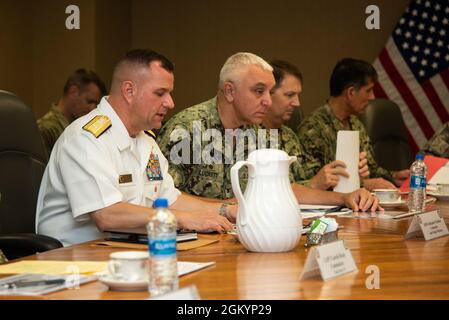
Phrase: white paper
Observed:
(441, 176)
(348, 146)
(334, 260)
(71, 282)
(188, 267)
(330, 260)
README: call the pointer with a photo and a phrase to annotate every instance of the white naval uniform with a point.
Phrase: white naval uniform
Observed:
(83, 173)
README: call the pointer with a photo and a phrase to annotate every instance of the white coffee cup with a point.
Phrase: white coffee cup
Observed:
(387, 195)
(129, 266)
(443, 189)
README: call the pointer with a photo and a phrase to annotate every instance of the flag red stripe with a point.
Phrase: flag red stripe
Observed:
(405, 92)
(379, 91)
(435, 100)
(445, 76)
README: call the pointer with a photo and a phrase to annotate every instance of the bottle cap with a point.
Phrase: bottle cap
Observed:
(160, 203)
(419, 156)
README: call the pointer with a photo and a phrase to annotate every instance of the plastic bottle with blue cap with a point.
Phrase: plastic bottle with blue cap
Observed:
(162, 246)
(418, 181)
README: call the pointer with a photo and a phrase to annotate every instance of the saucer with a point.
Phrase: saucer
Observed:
(403, 202)
(117, 285)
(436, 194)
(393, 204)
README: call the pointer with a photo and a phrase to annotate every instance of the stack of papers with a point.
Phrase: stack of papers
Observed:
(309, 211)
(441, 176)
(39, 284)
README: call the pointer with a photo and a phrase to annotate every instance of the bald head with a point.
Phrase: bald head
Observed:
(134, 66)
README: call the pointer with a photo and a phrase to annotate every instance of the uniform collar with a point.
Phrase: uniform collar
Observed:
(58, 113)
(214, 114)
(336, 122)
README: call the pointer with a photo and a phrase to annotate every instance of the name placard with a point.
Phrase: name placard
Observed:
(187, 293)
(329, 260)
(429, 225)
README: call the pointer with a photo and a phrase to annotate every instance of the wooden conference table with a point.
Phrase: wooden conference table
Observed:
(409, 269)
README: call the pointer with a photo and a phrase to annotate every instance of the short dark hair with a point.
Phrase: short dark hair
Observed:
(82, 78)
(281, 68)
(145, 57)
(351, 72)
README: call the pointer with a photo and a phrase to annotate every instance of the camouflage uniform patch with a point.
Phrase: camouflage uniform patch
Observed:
(288, 142)
(2, 257)
(318, 135)
(212, 180)
(438, 145)
(51, 126)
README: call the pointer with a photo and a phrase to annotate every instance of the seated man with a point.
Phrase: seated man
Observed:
(351, 89)
(203, 169)
(438, 145)
(105, 171)
(285, 97)
(82, 92)
(2, 257)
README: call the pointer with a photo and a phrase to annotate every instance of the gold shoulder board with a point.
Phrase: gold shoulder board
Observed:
(151, 134)
(98, 125)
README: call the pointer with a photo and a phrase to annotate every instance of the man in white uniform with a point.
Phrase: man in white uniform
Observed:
(105, 171)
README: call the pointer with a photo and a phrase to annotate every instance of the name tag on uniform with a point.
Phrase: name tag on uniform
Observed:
(125, 178)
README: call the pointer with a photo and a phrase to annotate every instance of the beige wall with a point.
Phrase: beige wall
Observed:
(16, 63)
(199, 35)
(112, 35)
(57, 51)
(38, 53)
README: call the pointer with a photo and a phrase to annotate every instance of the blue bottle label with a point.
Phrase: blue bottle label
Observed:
(417, 182)
(162, 247)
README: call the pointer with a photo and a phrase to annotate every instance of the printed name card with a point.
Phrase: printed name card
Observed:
(429, 225)
(330, 260)
(187, 293)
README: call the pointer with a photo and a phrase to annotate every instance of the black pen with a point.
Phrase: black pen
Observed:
(335, 209)
(22, 284)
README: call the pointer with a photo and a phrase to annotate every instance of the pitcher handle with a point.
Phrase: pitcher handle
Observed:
(292, 159)
(235, 182)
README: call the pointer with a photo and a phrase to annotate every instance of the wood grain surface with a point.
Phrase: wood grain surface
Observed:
(409, 269)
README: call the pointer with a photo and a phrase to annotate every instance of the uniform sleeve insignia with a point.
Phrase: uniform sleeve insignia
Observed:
(98, 125)
(150, 133)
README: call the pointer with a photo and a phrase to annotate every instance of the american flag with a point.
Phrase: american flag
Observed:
(413, 68)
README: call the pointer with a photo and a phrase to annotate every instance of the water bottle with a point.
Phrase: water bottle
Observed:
(417, 195)
(162, 246)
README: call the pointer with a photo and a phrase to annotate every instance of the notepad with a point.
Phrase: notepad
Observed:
(54, 267)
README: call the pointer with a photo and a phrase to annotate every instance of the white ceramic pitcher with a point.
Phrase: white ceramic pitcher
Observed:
(268, 217)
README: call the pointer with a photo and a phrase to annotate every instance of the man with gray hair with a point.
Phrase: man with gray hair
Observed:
(242, 101)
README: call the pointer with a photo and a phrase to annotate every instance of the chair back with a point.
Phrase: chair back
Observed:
(22, 163)
(385, 126)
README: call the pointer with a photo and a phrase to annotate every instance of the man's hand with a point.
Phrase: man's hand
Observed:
(378, 183)
(363, 166)
(328, 176)
(232, 212)
(361, 200)
(400, 176)
(203, 221)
